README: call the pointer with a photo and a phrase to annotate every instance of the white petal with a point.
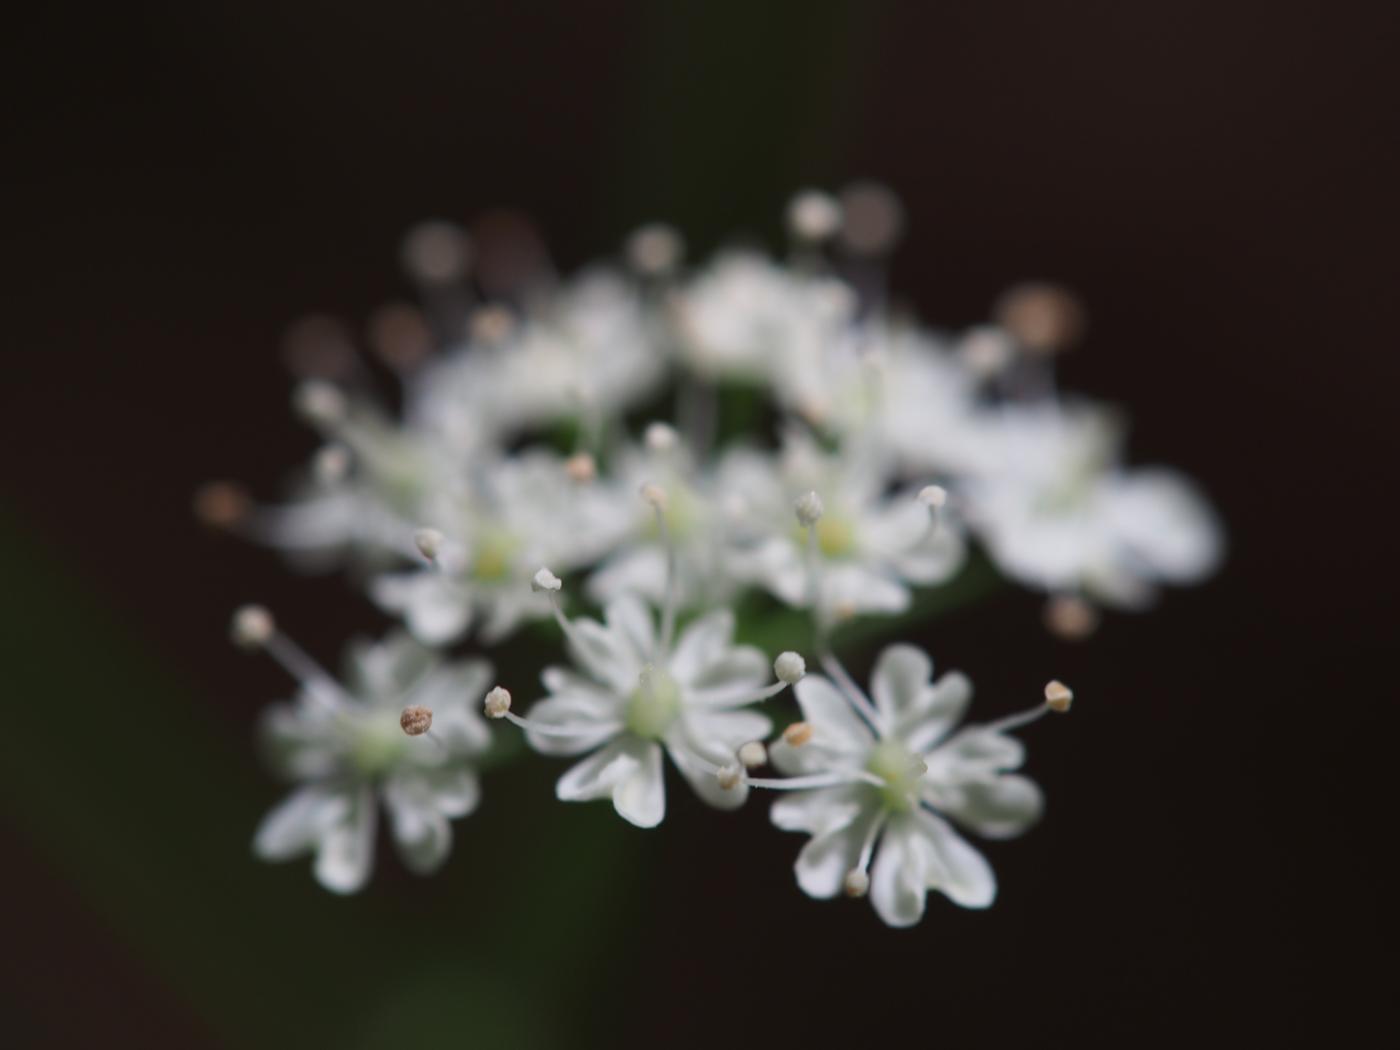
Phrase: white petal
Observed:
(630, 620)
(998, 808)
(587, 724)
(823, 863)
(297, 823)
(701, 644)
(605, 655)
(899, 684)
(1167, 524)
(731, 679)
(696, 768)
(456, 790)
(346, 854)
(974, 753)
(899, 878)
(435, 608)
(419, 828)
(816, 812)
(637, 570)
(641, 798)
(858, 588)
(958, 870)
(629, 771)
(943, 707)
(834, 722)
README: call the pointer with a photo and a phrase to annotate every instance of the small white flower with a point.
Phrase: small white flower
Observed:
(862, 549)
(877, 780)
(639, 695)
(1061, 514)
(520, 513)
(368, 742)
(695, 528)
(745, 317)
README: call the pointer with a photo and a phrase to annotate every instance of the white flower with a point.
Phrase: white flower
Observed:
(746, 318)
(891, 386)
(351, 750)
(878, 780)
(365, 490)
(1059, 513)
(519, 513)
(640, 694)
(583, 350)
(869, 546)
(695, 529)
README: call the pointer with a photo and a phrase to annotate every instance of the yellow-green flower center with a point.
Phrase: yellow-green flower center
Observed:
(493, 551)
(836, 536)
(654, 704)
(901, 770)
(377, 741)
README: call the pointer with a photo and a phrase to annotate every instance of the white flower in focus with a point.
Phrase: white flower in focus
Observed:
(875, 781)
(1059, 513)
(640, 694)
(352, 750)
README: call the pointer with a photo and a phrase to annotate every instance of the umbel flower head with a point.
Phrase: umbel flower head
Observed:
(402, 732)
(829, 459)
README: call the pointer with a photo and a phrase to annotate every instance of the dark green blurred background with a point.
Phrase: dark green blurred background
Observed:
(184, 180)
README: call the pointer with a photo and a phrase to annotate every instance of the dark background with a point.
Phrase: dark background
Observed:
(182, 181)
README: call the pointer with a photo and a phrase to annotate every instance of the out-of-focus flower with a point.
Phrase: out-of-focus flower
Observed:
(1060, 513)
(353, 747)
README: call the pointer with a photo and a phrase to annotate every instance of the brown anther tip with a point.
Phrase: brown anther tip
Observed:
(1070, 617)
(221, 504)
(416, 720)
(1043, 318)
(399, 336)
(797, 734)
(1058, 696)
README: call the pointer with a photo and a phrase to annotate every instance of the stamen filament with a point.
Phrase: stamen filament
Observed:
(305, 670)
(1002, 725)
(852, 692)
(716, 696)
(668, 601)
(560, 731)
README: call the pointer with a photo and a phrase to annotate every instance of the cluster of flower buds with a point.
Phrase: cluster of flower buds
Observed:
(819, 450)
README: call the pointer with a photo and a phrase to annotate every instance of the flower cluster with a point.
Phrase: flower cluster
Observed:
(692, 449)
